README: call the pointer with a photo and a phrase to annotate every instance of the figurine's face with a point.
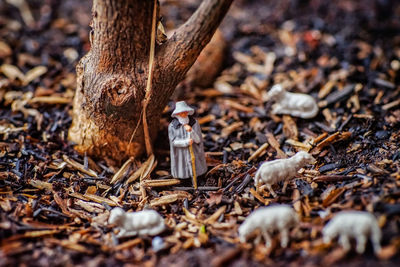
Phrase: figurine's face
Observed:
(183, 114)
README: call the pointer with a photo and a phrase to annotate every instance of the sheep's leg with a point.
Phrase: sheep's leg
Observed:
(257, 240)
(121, 233)
(327, 239)
(361, 241)
(284, 237)
(271, 190)
(277, 109)
(376, 243)
(261, 188)
(131, 233)
(285, 183)
(344, 242)
(268, 239)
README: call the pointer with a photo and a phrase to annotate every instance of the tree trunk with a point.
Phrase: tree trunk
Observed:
(111, 78)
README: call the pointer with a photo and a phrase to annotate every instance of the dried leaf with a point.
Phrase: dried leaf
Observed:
(259, 197)
(146, 173)
(238, 209)
(94, 198)
(100, 199)
(331, 178)
(135, 175)
(76, 247)
(272, 141)
(213, 218)
(41, 185)
(12, 72)
(79, 166)
(214, 198)
(91, 189)
(391, 105)
(338, 136)
(226, 257)
(326, 89)
(206, 119)
(295, 143)
(237, 106)
(90, 206)
(231, 128)
(289, 127)
(129, 244)
(53, 100)
(5, 50)
(160, 182)
(33, 74)
(258, 152)
(223, 87)
(161, 36)
(189, 215)
(334, 256)
(25, 11)
(121, 172)
(333, 196)
(164, 200)
(388, 252)
(148, 167)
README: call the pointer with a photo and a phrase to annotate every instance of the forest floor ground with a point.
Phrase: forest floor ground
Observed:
(54, 203)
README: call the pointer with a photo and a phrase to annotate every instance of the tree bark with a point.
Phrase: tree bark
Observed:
(111, 78)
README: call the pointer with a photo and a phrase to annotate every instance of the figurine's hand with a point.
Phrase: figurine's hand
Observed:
(190, 141)
(188, 127)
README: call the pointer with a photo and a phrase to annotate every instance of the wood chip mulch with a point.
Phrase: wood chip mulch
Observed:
(54, 203)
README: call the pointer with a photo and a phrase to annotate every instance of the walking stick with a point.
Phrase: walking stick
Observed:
(193, 166)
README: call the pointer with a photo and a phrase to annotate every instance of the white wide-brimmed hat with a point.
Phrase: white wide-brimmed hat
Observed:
(180, 107)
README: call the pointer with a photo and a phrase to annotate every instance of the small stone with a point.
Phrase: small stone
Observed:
(329, 167)
(382, 135)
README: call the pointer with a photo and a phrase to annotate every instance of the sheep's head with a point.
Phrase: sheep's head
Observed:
(276, 92)
(328, 233)
(116, 215)
(243, 231)
(305, 158)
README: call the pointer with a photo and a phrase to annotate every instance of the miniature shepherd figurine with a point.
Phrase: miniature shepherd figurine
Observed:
(146, 222)
(297, 105)
(186, 143)
(272, 172)
(268, 220)
(354, 224)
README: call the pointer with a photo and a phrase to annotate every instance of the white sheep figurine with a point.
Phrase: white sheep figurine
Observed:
(354, 224)
(272, 172)
(268, 220)
(297, 105)
(146, 222)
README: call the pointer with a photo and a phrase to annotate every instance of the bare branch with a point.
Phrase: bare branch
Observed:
(181, 50)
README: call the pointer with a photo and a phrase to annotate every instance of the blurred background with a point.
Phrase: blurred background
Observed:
(55, 33)
(344, 53)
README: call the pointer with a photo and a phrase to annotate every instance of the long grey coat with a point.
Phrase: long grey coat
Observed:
(181, 161)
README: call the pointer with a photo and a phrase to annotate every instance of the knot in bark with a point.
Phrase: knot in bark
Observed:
(119, 90)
